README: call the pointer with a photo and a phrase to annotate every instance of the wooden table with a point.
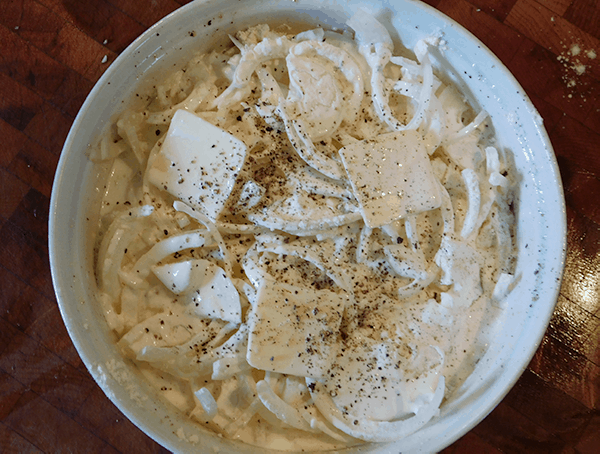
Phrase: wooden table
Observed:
(52, 52)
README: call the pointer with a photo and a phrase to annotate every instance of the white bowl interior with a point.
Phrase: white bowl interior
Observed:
(465, 61)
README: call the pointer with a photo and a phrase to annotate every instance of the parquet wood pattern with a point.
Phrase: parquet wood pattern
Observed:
(51, 54)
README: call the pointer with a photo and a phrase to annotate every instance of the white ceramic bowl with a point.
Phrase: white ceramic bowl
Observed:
(467, 63)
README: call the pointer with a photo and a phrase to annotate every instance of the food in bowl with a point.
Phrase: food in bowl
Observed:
(305, 237)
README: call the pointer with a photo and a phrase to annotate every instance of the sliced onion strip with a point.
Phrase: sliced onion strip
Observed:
(370, 430)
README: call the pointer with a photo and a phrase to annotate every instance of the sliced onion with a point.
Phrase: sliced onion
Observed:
(189, 240)
(208, 403)
(474, 200)
(370, 430)
(119, 235)
(467, 130)
(303, 226)
(284, 412)
(447, 210)
(212, 228)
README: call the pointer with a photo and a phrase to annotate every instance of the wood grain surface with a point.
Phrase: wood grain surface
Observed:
(51, 54)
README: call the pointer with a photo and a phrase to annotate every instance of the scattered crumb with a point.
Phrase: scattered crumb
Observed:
(575, 61)
(575, 50)
(579, 69)
(120, 372)
(105, 59)
(105, 42)
(191, 439)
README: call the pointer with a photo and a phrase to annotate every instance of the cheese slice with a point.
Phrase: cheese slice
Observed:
(391, 176)
(294, 330)
(198, 163)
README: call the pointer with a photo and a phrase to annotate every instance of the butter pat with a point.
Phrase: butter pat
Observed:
(391, 176)
(294, 330)
(198, 163)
